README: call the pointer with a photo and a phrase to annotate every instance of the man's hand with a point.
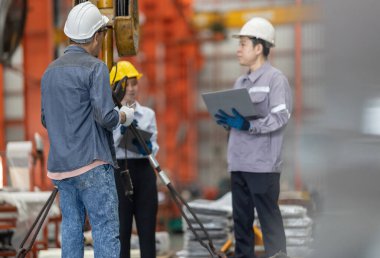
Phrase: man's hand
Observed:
(236, 121)
(129, 115)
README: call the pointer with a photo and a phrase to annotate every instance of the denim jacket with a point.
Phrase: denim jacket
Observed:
(77, 111)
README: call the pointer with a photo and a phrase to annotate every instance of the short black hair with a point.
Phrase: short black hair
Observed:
(266, 45)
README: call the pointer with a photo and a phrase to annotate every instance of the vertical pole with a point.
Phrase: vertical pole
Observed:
(107, 49)
(2, 108)
(38, 53)
(106, 8)
(298, 98)
(3, 180)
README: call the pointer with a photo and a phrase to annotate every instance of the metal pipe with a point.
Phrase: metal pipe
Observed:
(106, 8)
(107, 48)
(298, 103)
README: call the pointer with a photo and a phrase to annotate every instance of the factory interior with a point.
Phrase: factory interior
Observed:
(328, 51)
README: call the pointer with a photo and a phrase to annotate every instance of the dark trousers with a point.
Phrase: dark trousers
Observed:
(143, 207)
(260, 190)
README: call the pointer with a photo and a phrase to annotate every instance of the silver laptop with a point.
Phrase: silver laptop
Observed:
(228, 99)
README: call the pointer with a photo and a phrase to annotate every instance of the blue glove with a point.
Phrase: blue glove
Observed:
(140, 148)
(123, 128)
(135, 123)
(236, 121)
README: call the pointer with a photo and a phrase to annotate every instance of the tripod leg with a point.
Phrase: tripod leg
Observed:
(38, 222)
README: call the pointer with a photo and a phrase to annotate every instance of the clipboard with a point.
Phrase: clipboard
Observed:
(228, 99)
(128, 138)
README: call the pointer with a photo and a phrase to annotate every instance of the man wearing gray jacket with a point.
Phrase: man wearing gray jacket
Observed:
(254, 146)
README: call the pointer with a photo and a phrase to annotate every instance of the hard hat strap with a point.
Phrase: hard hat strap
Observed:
(114, 77)
(119, 88)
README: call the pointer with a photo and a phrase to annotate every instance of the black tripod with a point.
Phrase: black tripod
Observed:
(23, 251)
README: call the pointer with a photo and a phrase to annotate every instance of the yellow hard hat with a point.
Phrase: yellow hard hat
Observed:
(123, 69)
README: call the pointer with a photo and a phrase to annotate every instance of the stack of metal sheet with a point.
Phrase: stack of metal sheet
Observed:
(298, 230)
(216, 217)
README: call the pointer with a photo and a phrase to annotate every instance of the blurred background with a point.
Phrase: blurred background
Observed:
(327, 49)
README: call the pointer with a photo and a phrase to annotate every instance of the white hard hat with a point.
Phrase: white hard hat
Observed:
(83, 21)
(259, 28)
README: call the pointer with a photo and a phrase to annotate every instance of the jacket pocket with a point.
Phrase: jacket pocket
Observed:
(259, 97)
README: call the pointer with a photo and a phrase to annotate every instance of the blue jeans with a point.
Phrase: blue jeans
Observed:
(93, 192)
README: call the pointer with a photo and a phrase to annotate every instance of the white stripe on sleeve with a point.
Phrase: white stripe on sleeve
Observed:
(259, 89)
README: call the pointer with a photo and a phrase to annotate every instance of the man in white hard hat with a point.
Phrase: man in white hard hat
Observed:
(79, 115)
(254, 145)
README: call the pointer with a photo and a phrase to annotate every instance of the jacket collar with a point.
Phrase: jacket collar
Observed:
(74, 48)
(138, 108)
(253, 76)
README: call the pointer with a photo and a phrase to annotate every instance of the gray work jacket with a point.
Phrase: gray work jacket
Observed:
(259, 149)
(77, 111)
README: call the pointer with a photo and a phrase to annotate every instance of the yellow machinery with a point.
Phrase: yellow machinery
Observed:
(276, 14)
(124, 19)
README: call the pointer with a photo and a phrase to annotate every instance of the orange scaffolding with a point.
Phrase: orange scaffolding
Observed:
(169, 57)
(171, 60)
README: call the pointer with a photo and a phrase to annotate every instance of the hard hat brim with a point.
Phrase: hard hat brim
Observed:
(236, 36)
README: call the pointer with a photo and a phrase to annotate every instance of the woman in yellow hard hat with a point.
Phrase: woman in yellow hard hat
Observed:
(144, 204)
